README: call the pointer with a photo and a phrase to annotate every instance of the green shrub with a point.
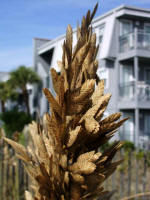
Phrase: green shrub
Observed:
(14, 120)
(128, 146)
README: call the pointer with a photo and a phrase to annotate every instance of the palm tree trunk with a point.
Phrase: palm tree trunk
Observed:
(3, 106)
(26, 100)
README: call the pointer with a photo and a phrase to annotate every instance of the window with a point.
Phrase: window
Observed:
(48, 108)
(127, 73)
(102, 73)
(128, 85)
(147, 124)
(147, 28)
(144, 123)
(126, 35)
(101, 31)
(147, 75)
(47, 82)
(128, 129)
(125, 27)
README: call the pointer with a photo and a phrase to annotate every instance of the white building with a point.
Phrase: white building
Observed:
(124, 58)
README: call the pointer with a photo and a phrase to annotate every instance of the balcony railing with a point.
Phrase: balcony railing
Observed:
(127, 90)
(144, 140)
(143, 90)
(138, 39)
(143, 40)
(126, 42)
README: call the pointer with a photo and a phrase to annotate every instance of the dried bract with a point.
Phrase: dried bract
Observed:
(65, 163)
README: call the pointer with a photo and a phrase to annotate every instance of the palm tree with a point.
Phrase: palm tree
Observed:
(20, 78)
(6, 93)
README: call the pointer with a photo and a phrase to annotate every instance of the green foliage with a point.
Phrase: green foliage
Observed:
(139, 154)
(105, 146)
(128, 146)
(7, 91)
(22, 76)
(123, 167)
(148, 158)
(22, 139)
(14, 121)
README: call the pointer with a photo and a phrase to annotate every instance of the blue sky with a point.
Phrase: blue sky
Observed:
(22, 20)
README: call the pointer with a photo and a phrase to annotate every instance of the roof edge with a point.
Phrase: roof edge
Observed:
(121, 7)
(37, 38)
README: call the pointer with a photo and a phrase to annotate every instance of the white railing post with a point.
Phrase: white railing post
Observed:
(136, 63)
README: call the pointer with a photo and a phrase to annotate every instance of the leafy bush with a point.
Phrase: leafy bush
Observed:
(14, 120)
(128, 146)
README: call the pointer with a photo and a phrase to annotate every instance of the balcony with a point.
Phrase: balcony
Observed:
(138, 39)
(127, 90)
(144, 140)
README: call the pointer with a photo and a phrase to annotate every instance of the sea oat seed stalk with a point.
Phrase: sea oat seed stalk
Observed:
(65, 163)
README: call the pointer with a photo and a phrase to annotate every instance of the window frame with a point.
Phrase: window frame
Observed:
(146, 24)
(121, 26)
(101, 26)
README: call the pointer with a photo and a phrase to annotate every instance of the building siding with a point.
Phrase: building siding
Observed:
(111, 59)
